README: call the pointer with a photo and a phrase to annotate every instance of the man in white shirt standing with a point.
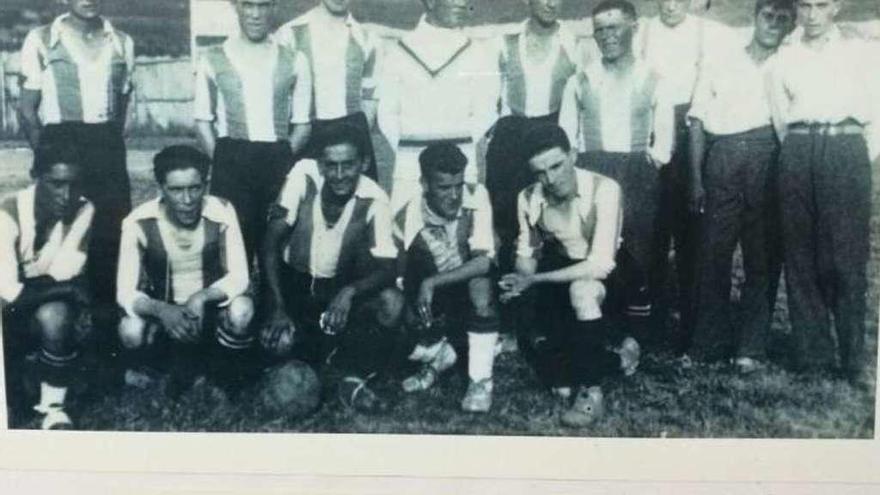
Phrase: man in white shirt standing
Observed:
(342, 58)
(437, 84)
(825, 107)
(733, 182)
(618, 111)
(252, 102)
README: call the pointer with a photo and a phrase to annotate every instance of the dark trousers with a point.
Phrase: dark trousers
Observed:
(363, 348)
(564, 351)
(250, 175)
(105, 183)
(676, 226)
(357, 120)
(739, 180)
(825, 193)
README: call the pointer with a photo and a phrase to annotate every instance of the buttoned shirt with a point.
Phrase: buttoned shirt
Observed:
(444, 236)
(534, 88)
(437, 83)
(252, 99)
(62, 254)
(342, 57)
(73, 86)
(316, 246)
(831, 82)
(591, 230)
(730, 96)
(160, 260)
(620, 113)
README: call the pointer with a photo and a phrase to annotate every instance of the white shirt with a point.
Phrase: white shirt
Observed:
(74, 87)
(334, 48)
(836, 80)
(730, 96)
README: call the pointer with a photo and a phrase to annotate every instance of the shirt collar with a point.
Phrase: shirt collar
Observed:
(539, 200)
(106, 27)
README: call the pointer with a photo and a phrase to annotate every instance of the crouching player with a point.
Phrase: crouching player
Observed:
(570, 222)
(182, 276)
(44, 232)
(328, 260)
(447, 245)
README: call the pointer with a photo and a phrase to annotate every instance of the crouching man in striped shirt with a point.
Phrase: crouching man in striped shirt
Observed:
(183, 275)
(447, 247)
(328, 262)
(44, 234)
(570, 223)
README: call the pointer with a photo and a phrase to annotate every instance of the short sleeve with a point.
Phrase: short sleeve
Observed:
(205, 97)
(128, 52)
(527, 241)
(31, 65)
(383, 241)
(301, 101)
(292, 193)
(482, 238)
(10, 285)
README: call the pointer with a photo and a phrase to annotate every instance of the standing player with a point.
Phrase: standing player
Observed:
(44, 231)
(342, 57)
(618, 111)
(675, 44)
(328, 262)
(77, 83)
(437, 84)
(825, 108)
(570, 222)
(183, 274)
(535, 63)
(447, 246)
(252, 102)
(733, 166)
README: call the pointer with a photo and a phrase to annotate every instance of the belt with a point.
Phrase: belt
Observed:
(421, 143)
(848, 127)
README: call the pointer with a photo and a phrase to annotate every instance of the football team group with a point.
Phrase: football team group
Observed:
(537, 184)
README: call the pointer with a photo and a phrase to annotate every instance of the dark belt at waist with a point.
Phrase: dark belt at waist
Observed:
(421, 143)
(765, 133)
(846, 127)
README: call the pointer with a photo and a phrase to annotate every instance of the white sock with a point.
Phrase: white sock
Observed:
(51, 397)
(481, 355)
(426, 354)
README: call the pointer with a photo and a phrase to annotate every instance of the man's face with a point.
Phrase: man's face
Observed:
(817, 16)
(341, 168)
(613, 32)
(672, 12)
(337, 7)
(448, 13)
(255, 17)
(58, 189)
(444, 193)
(554, 169)
(545, 12)
(772, 25)
(182, 193)
(84, 9)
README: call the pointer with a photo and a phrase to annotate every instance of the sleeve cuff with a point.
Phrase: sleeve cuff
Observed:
(11, 293)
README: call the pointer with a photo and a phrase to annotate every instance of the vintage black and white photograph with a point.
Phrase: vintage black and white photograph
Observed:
(586, 218)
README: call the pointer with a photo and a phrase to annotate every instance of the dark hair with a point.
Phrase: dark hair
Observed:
(442, 156)
(340, 133)
(47, 155)
(788, 5)
(542, 137)
(624, 6)
(179, 157)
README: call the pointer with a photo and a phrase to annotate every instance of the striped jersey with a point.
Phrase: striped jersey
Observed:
(619, 113)
(74, 87)
(162, 261)
(29, 249)
(344, 248)
(342, 58)
(591, 231)
(453, 242)
(530, 88)
(252, 99)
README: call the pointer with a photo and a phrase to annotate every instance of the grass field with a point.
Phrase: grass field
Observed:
(661, 400)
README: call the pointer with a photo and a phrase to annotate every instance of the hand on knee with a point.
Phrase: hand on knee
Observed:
(586, 299)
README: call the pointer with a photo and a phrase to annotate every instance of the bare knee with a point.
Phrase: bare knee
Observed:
(481, 296)
(55, 320)
(132, 332)
(586, 298)
(241, 313)
(391, 304)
